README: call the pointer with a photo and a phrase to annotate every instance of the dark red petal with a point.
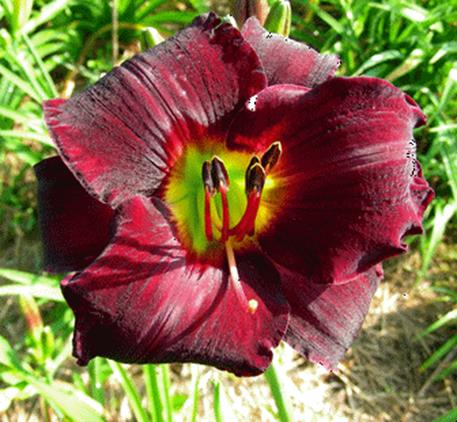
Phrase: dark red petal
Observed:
(121, 136)
(325, 319)
(287, 61)
(75, 227)
(349, 187)
(141, 301)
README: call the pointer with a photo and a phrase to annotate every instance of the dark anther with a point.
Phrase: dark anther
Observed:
(219, 173)
(207, 179)
(254, 160)
(255, 178)
(271, 156)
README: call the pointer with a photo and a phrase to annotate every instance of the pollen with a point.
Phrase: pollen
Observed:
(252, 306)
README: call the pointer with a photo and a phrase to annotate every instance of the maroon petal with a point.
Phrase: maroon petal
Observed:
(142, 301)
(288, 61)
(325, 319)
(121, 136)
(75, 227)
(348, 185)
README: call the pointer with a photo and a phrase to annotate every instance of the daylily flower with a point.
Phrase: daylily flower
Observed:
(223, 192)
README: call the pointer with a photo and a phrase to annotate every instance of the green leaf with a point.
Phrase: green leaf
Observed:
(450, 316)
(40, 137)
(51, 88)
(450, 416)
(37, 291)
(20, 83)
(377, 59)
(201, 6)
(70, 401)
(26, 278)
(46, 14)
(8, 356)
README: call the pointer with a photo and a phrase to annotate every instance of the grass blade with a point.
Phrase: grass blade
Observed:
(51, 88)
(166, 392)
(130, 391)
(217, 401)
(20, 83)
(195, 393)
(151, 382)
(37, 291)
(442, 351)
(45, 15)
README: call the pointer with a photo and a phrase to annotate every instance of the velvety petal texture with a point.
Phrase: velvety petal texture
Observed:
(325, 319)
(75, 227)
(288, 61)
(142, 301)
(121, 136)
(348, 179)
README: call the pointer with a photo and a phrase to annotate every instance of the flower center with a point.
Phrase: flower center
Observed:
(219, 197)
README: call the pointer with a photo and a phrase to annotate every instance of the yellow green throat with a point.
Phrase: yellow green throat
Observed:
(191, 200)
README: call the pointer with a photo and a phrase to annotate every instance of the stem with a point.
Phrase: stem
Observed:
(273, 379)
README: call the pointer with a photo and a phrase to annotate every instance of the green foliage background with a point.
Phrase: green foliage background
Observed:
(54, 48)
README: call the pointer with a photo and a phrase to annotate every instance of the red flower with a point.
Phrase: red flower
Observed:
(222, 192)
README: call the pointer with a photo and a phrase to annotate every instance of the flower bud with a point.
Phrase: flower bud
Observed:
(244, 9)
(150, 37)
(279, 18)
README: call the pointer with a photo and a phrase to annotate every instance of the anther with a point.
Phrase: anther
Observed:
(255, 178)
(219, 173)
(207, 178)
(271, 156)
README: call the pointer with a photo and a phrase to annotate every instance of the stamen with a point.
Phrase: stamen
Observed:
(271, 156)
(249, 305)
(232, 264)
(209, 192)
(221, 181)
(208, 225)
(255, 180)
(225, 214)
(219, 173)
